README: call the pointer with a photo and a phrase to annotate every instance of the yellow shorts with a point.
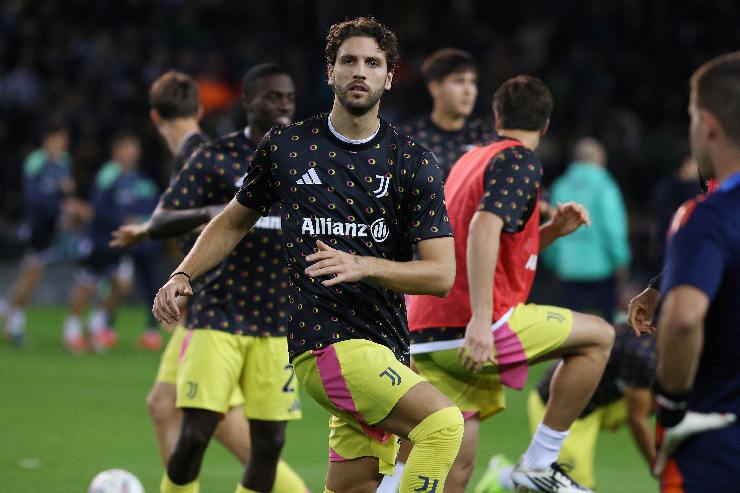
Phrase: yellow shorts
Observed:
(580, 446)
(359, 382)
(167, 372)
(524, 334)
(213, 364)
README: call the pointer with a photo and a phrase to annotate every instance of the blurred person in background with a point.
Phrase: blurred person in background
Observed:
(592, 262)
(667, 196)
(175, 112)
(622, 396)
(48, 205)
(448, 131)
(120, 194)
(243, 299)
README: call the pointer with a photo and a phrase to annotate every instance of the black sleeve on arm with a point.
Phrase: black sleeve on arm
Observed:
(511, 184)
(258, 191)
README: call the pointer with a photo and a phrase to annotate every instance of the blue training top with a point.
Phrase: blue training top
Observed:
(705, 253)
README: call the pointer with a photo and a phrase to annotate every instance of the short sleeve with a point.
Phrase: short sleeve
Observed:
(511, 184)
(697, 253)
(258, 190)
(426, 210)
(186, 190)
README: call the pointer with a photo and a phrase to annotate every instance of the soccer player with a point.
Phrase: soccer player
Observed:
(47, 185)
(355, 197)
(120, 194)
(268, 99)
(452, 81)
(697, 386)
(483, 335)
(623, 396)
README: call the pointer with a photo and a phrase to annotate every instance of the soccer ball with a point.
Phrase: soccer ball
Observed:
(115, 481)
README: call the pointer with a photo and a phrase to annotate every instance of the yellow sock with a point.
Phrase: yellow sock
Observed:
(167, 486)
(436, 443)
(287, 480)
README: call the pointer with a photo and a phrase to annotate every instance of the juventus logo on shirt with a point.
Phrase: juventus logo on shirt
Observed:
(309, 178)
(382, 190)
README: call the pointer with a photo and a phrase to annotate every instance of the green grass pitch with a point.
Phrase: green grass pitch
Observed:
(63, 419)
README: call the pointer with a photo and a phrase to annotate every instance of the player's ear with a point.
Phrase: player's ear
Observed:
(496, 121)
(388, 81)
(433, 88)
(155, 117)
(545, 128)
(710, 124)
(330, 74)
(199, 115)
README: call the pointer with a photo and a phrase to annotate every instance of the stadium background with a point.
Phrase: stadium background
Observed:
(618, 71)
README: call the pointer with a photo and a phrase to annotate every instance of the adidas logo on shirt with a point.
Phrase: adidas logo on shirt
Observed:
(309, 178)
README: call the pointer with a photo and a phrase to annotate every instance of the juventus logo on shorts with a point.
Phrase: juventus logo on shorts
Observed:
(192, 390)
(382, 190)
(392, 374)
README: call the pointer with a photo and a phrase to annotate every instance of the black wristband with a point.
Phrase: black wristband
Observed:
(181, 273)
(654, 283)
(672, 407)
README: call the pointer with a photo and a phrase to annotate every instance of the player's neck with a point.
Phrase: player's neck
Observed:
(727, 163)
(528, 138)
(175, 132)
(351, 126)
(447, 121)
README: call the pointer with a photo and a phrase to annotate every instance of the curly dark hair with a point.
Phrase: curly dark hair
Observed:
(366, 27)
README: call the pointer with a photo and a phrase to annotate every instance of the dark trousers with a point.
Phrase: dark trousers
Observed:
(596, 297)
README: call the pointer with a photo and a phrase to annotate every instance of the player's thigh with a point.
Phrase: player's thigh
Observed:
(169, 361)
(268, 380)
(478, 394)
(588, 330)
(361, 383)
(354, 476)
(210, 365)
(161, 400)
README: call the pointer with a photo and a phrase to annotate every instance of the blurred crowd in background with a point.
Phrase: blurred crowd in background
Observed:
(618, 71)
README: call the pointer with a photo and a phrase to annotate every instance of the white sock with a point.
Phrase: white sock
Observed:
(504, 478)
(98, 321)
(72, 327)
(390, 483)
(544, 448)
(16, 323)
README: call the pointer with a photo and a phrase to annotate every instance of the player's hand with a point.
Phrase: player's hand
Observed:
(477, 349)
(329, 261)
(668, 439)
(129, 235)
(165, 307)
(569, 217)
(641, 310)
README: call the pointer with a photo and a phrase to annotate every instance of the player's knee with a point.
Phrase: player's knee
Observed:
(267, 444)
(194, 437)
(160, 407)
(605, 336)
(445, 426)
(198, 427)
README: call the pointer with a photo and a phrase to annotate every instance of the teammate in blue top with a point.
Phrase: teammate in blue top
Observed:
(120, 194)
(48, 189)
(698, 382)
